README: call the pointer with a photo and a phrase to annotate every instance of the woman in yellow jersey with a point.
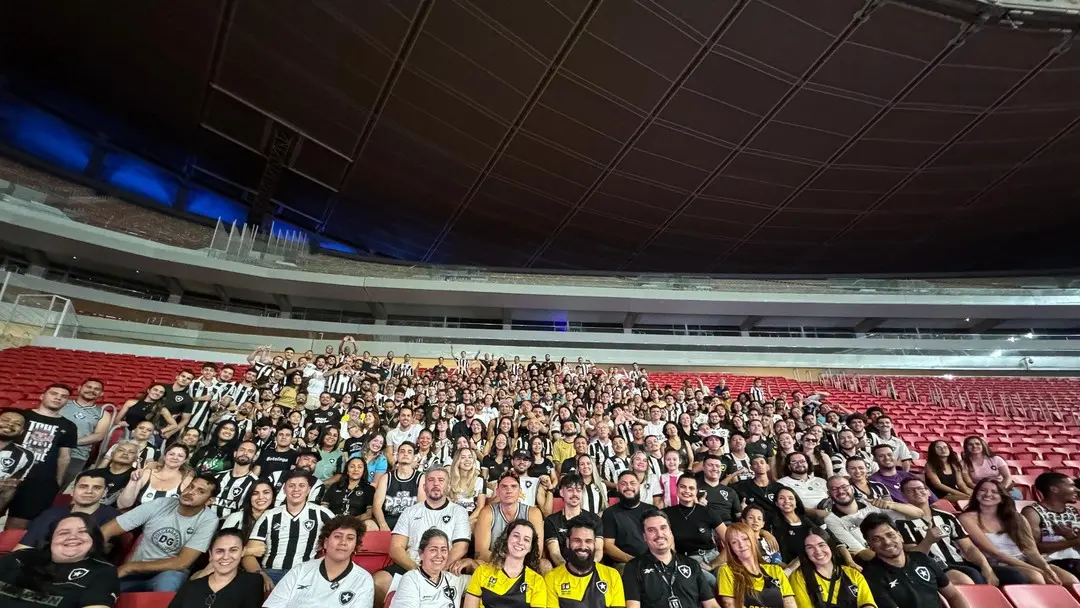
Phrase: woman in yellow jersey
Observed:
(511, 579)
(822, 581)
(744, 580)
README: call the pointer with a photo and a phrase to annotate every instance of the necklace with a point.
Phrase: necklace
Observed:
(686, 514)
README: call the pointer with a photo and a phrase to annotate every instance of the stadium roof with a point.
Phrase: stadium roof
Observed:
(723, 136)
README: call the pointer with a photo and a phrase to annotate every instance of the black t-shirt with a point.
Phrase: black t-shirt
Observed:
(324, 417)
(178, 402)
(89, 582)
(651, 583)
(271, 461)
(114, 483)
(343, 501)
(353, 446)
(439, 369)
(44, 436)
(568, 466)
(722, 498)
(244, 591)
(494, 468)
(694, 528)
(915, 585)
(732, 464)
(555, 528)
(761, 497)
(542, 468)
(624, 526)
(761, 447)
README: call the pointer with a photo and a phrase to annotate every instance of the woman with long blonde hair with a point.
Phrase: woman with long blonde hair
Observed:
(745, 579)
(466, 484)
(594, 494)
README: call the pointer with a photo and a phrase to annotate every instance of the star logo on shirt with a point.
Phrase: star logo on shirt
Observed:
(346, 597)
(893, 584)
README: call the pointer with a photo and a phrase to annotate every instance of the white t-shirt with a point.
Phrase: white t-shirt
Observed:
(305, 585)
(420, 518)
(396, 436)
(811, 490)
(316, 380)
(416, 591)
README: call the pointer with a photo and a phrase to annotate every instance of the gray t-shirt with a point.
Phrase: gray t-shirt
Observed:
(165, 531)
(85, 420)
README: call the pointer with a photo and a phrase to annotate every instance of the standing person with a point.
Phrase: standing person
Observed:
(399, 490)
(508, 506)
(436, 511)
(15, 460)
(333, 580)
(285, 536)
(237, 482)
(1005, 537)
(1056, 522)
(50, 438)
(90, 422)
(85, 498)
(176, 531)
(621, 521)
(899, 579)
(581, 582)
(226, 583)
(941, 536)
(695, 526)
(659, 576)
(745, 580)
(430, 584)
(823, 580)
(557, 528)
(69, 572)
(511, 579)
(179, 403)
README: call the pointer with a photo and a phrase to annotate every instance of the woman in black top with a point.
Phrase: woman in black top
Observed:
(792, 526)
(216, 456)
(147, 406)
(352, 495)
(226, 586)
(497, 459)
(541, 465)
(67, 573)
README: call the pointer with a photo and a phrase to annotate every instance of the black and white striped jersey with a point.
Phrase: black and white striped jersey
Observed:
(15, 461)
(241, 394)
(263, 371)
(626, 431)
(403, 370)
(338, 384)
(201, 388)
(613, 467)
(290, 540)
(233, 493)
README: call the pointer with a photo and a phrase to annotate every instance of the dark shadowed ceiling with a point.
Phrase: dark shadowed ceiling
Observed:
(634, 135)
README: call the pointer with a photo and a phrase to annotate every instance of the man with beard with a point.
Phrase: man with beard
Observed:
(810, 490)
(898, 578)
(118, 473)
(15, 460)
(91, 422)
(305, 463)
(622, 522)
(580, 582)
(849, 448)
(50, 438)
(847, 513)
(557, 528)
(660, 577)
(236, 484)
(436, 511)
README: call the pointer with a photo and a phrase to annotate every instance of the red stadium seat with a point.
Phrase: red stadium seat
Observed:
(1039, 596)
(8, 540)
(1026, 485)
(373, 554)
(944, 505)
(146, 599)
(983, 596)
(556, 504)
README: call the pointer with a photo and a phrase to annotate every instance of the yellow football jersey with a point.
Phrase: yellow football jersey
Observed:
(601, 588)
(497, 590)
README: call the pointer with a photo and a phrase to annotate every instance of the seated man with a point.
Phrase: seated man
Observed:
(15, 460)
(305, 462)
(507, 507)
(890, 475)
(118, 472)
(435, 512)
(580, 581)
(846, 513)
(85, 498)
(285, 536)
(622, 523)
(556, 528)
(899, 579)
(176, 531)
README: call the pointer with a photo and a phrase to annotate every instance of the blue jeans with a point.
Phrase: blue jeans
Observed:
(275, 574)
(167, 580)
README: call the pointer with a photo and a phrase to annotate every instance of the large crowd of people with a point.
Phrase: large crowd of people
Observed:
(502, 483)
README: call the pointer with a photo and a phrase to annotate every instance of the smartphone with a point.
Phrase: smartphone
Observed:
(701, 494)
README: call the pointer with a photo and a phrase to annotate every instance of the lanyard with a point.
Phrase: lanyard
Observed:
(832, 585)
(662, 570)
